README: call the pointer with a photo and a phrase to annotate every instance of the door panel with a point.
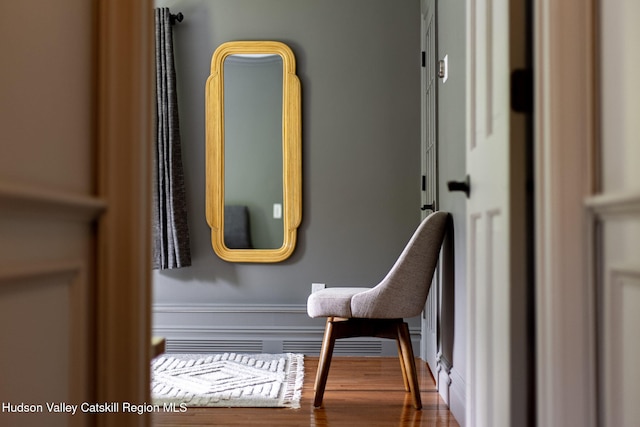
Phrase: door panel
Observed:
(47, 209)
(46, 326)
(496, 252)
(430, 344)
(620, 344)
(74, 141)
(616, 211)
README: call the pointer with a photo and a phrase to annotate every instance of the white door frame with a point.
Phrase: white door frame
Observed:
(565, 137)
(429, 343)
(124, 132)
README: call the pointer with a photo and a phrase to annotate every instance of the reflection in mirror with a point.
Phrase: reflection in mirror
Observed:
(253, 158)
(253, 151)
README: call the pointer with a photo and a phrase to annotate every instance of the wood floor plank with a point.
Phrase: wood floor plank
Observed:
(360, 391)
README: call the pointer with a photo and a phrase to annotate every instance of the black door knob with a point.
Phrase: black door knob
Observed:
(464, 186)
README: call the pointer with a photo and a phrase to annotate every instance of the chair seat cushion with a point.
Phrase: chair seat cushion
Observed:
(332, 302)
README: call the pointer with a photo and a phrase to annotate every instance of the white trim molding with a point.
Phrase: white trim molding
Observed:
(50, 203)
(616, 280)
(565, 138)
(443, 377)
(458, 395)
(125, 73)
(15, 272)
(229, 308)
(610, 205)
(620, 299)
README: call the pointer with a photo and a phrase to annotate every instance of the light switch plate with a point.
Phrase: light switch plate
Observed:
(443, 69)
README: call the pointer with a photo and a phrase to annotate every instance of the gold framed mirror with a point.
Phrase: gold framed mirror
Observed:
(253, 151)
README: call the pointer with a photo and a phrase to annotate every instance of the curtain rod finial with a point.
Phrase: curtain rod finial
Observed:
(176, 18)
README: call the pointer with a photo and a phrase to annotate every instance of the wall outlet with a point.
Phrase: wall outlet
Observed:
(277, 211)
(315, 287)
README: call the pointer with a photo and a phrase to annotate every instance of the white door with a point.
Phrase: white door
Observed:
(429, 350)
(74, 269)
(496, 250)
(617, 211)
(48, 211)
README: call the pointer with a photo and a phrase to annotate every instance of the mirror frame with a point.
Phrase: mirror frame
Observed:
(291, 151)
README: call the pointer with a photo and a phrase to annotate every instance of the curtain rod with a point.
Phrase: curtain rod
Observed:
(176, 18)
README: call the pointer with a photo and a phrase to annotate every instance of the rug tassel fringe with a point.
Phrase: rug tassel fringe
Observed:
(294, 384)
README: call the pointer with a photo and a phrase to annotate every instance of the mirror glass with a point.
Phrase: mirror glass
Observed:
(253, 154)
(253, 151)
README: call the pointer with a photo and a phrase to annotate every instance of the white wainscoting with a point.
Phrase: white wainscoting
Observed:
(615, 219)
(257, 328)
(457, 394)
(443, 376)
(46, 277)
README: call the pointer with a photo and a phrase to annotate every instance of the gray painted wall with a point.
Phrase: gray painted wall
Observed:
(358, 62)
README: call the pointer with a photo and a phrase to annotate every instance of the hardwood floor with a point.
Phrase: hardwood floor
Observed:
(361, 391)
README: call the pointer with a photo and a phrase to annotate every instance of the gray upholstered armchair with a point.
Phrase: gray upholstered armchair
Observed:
(380, 311)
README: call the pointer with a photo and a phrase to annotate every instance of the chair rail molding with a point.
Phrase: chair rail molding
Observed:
(610, 206)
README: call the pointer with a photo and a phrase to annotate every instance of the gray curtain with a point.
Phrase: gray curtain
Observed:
(170, 229)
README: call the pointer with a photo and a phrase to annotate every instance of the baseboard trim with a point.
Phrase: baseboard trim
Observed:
(444, 377)
(457, 396)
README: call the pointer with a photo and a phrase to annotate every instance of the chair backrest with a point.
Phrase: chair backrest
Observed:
(403, 291)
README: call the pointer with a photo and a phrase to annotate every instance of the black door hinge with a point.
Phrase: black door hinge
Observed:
(522, 90)
(424, 58)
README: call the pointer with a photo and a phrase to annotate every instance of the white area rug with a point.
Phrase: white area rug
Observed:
(228, 380)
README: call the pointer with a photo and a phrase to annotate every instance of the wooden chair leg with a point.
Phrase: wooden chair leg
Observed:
(409, 363)
(404, 369)
(397, 329)
(324, 363)
(328, 329)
